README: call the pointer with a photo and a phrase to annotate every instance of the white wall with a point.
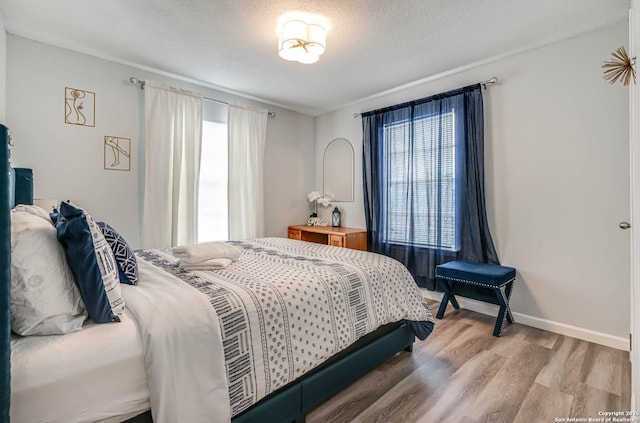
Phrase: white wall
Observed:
(341, 124)
(557, 179)
(68, 159)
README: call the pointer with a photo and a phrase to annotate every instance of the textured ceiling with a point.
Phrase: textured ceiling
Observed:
(373, 45)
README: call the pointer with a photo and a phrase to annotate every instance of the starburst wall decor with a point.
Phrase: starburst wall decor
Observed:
(621, 67)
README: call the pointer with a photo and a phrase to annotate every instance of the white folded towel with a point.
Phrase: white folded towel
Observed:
(211, 264)
(195, 253)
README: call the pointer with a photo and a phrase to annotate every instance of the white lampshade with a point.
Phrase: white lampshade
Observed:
(307, 59)
(317, 39)
(301, 41)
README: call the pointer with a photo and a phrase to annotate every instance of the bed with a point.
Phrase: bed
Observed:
(103, 372)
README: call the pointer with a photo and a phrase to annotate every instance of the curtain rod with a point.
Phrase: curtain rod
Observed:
(135, 81)
(484, 84)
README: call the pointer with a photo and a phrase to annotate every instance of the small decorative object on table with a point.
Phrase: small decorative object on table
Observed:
(316, 221)
(325, 201)
(335, 217)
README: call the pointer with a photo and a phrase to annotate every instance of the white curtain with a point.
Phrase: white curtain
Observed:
(173, 125)
(247, 128)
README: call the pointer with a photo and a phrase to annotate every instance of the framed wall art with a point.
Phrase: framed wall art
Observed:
(79, 107)
(117, 153)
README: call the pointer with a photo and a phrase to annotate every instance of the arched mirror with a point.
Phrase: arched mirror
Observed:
(338, 170)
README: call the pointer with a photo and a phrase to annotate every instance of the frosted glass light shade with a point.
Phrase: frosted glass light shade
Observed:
(301, 41)
(317, 39)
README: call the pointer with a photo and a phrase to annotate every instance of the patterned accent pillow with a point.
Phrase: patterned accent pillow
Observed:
(125, 258)
(92, 263)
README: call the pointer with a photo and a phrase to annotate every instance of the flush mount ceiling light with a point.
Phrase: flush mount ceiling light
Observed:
(302, 37)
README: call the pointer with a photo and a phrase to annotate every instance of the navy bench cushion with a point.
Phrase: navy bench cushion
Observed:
(480, 273)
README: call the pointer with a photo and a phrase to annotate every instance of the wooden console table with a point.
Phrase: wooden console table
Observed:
(338, 237)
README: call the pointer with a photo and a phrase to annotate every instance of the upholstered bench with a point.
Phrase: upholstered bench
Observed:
(494, 280)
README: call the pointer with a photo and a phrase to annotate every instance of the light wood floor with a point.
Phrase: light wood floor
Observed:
(462, 374)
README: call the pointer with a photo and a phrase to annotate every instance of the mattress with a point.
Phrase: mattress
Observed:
(286, 306)
(93, 375)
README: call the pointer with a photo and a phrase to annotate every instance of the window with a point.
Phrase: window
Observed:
(423, 182)
(420, 165)
(213, 222)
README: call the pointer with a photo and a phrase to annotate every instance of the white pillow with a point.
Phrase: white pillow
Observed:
(44, 297)
(34, 210)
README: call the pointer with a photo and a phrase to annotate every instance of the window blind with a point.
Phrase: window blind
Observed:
(420, 165)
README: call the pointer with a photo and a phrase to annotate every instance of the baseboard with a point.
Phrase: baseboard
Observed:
(616, 342)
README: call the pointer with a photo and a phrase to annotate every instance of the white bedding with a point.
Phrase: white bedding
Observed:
(103, 372)
(94, 375)
(285, 306)
(182, 347)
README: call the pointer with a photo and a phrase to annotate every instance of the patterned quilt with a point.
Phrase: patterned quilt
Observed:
(285, 306)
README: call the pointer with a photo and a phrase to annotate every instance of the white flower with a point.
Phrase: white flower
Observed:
(324, 201)
(318, 198)
(313, 195)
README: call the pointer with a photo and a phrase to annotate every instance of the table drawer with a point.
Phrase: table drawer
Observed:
(336, 240)
(329, 235)
(294, 234)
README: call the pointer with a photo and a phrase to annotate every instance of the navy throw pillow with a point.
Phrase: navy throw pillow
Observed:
(92, 263)
(125, 258)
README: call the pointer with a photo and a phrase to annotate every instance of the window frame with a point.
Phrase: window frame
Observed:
(428, 241)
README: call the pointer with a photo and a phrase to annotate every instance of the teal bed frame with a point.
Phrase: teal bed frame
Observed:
(294, 401)
(289, 404)
(5, 278)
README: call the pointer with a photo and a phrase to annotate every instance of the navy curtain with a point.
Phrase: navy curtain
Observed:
(423, 169)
